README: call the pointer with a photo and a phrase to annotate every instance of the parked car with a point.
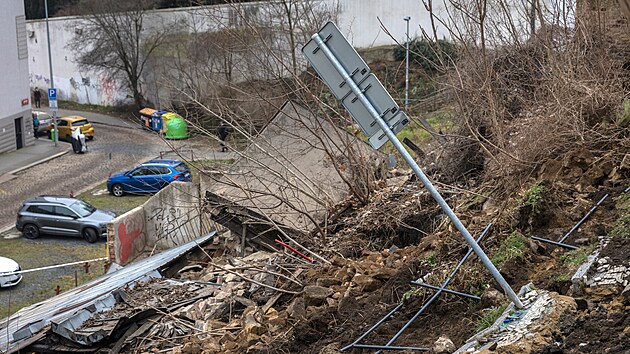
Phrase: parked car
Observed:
(61, 215)
(45, 121)
(148, 177)
(65, 125)
(7, 267)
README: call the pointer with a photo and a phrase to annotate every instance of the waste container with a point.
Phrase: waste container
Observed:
(156, 122)
(51, 132)
(176, 128)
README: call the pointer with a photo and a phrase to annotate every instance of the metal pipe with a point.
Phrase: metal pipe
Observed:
(414, 166)
(579, 223)
(384, 347)
(372, 328)
(554, 243)
(407, 67)
(440, 290)
(354, 344)
(52, 80)
(446, 290)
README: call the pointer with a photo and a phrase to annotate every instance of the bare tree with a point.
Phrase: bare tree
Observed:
(259, 47)
(530, 81)
(117, 39)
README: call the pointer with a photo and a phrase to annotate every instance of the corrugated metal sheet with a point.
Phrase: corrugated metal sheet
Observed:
(30, 320)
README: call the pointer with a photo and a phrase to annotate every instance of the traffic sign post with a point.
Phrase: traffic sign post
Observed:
(329, 49)
(52, 105)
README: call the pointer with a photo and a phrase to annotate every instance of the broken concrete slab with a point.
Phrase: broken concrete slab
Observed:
(527, 330)
(291, 173)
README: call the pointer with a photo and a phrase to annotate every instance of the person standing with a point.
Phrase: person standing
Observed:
(35, 125)
(223, 132)
(37, 94)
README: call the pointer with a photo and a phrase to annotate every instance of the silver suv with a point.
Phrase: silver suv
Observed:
(60, 215)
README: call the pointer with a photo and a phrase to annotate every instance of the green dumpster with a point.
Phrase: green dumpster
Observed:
(176, 128)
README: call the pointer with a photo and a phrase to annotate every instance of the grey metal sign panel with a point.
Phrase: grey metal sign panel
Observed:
(384, 105)
(343, 51)
(397, 124)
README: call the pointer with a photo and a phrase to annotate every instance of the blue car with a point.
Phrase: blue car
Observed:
(148, 177)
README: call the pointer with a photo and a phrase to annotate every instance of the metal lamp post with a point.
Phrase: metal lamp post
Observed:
(52, 81)
(407, 67)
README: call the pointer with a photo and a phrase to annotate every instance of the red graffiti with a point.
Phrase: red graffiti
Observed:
(130, 243)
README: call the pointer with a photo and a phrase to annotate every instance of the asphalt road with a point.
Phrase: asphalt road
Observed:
(114, 148)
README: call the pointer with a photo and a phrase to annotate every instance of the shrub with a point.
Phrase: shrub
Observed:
(432, 56)
(511, 248)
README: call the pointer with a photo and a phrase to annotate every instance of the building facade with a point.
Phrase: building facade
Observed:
(366, 23)
(16, 124)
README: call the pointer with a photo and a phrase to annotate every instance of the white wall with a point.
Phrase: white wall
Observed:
(14, 74)
(72, 83)
(358, 20)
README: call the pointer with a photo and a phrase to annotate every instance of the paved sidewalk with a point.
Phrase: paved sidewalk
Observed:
(43, 150)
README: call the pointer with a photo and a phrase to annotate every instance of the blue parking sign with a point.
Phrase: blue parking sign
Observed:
(52, 94)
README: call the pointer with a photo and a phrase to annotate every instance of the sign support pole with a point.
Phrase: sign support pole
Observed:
(52, 80)
(414, 166)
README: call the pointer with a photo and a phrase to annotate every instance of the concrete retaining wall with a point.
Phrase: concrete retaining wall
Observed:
(170, 218)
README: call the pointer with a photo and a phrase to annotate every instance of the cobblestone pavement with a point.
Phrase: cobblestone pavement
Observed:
(113, 149)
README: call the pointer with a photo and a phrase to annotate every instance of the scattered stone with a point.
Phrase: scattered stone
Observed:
(366, 283)
(316, 295)
(297, 308)
(492, 297)
(330, 349)
(328, 282)
(582, 241)
(443, 346)
(384, 273)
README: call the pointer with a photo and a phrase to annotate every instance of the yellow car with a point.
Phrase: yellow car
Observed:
(65, 125)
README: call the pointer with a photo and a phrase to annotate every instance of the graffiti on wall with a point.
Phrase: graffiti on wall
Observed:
(107, 89)
(131, 238)
(166, 221)
(36, 79)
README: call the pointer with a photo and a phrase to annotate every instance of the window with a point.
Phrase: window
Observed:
(63, 211)
(163, 170)
(20, 31)
(181, 168)
(79, 123)
(142, 171)
(82, 208)
(62, 123)
(41, 209)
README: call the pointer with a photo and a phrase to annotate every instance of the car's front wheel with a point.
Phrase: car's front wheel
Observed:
(30, 231)
(90, 235)
(117, 190)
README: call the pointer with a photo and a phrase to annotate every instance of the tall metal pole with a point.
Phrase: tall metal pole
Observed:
(407, 67)
(414, 166)
(52, 80)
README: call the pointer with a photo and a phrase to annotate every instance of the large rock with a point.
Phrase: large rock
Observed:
(332, 348)
(316, 295)
(443, 346)
(327, 282)
(365, 282)
(297, 308)
(492, 297)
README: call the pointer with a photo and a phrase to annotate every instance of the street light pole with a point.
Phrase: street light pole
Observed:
(407, 67)
(52, 80)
